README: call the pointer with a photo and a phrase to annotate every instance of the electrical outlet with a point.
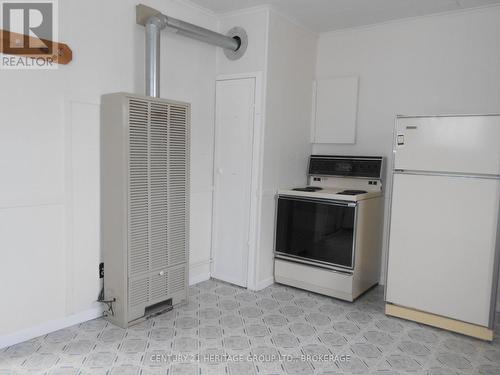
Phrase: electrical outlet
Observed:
(101, 270)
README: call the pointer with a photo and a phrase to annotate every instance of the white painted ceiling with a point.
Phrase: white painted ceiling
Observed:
(327, 15)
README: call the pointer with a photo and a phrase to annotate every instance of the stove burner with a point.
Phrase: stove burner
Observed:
(352, 192)
(309, 189)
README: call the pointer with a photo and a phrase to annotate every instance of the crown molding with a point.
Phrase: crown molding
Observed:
(456, 12)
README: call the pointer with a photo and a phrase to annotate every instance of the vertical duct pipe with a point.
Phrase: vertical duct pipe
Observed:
(153, 30)
(234, 44)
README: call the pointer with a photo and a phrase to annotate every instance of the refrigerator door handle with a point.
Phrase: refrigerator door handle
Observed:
(446, 174)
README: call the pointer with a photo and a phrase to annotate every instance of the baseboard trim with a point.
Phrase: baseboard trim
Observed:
(96, 312)
(195, 279)
(263, 284)
(202, 274)
(50, 326)
(199, 272)
(438, 321)
(228, 280)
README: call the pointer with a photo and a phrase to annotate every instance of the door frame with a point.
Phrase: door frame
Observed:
(256, 174)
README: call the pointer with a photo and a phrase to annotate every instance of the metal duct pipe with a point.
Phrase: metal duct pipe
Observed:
(155, 21)
(153, 30)
(199, 33)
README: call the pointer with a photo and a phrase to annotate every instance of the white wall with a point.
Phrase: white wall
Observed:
(290, 76)
(442, 64)
(49, 160)
(255, 23)
(49, 155)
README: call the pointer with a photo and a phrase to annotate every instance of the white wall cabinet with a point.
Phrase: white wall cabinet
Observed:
(336, 107)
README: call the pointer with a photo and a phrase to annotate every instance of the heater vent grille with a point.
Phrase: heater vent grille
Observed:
(158, 159)
(158, 193)
(138, 292)
(178, 180)
(138, 188)
(177, 278)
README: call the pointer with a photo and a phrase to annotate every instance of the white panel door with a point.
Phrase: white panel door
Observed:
(442, 245)
(234, 124)
(464, 144)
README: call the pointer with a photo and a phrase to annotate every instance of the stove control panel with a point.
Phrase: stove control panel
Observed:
(369, 167)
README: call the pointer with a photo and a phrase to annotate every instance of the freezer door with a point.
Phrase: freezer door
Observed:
(442, 245)
(465, 144)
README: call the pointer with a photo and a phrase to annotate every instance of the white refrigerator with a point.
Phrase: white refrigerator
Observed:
(444, 237)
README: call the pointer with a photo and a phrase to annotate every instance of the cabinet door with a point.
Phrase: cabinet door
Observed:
(336, 110)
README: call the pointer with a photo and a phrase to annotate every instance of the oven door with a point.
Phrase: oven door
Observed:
(317, 231)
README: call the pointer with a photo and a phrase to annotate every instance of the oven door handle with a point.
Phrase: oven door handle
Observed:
(318, 200)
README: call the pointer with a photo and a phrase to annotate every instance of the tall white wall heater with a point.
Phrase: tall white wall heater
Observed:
(144, 204)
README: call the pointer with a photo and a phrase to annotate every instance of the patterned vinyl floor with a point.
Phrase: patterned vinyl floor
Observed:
(280, 330)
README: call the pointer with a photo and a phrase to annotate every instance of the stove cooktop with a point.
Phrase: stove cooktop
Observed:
(308, 188)
(312, 189)
(352, 192)
(325, 192)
